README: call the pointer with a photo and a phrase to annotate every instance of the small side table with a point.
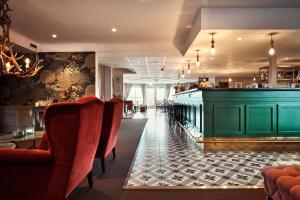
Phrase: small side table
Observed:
(27, 141)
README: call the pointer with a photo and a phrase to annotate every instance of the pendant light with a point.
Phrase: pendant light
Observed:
(212, 50)
(272, 50)
(182, 74)
(189, 67)
(229, 79)
(197, 61)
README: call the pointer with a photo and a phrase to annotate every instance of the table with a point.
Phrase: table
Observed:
(8, 145)
(27, 141)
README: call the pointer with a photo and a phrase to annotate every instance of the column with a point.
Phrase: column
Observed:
(144, 93)
(108, 83)
(272, 71)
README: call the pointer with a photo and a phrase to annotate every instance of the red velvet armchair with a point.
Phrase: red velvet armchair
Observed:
(110, 129)
(129, 105)
(73, 131)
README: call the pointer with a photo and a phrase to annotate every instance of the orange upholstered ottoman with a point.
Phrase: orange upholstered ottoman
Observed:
(279, 180)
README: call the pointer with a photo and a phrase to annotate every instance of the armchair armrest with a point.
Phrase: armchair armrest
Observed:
(24, 155)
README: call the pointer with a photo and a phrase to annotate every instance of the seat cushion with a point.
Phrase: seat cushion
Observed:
(271, 175)
(289, 187)
(295, 192)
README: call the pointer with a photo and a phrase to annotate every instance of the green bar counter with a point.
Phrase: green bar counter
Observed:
(242, 113)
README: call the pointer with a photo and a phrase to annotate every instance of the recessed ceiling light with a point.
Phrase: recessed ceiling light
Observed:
(114, 30)
(212, 58)
(54, 35)
(189, 26)
(286, 58)
(239, 39)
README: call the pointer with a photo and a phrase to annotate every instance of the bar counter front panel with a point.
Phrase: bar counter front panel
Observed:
(241, 112)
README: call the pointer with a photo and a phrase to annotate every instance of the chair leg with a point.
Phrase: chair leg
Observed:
(268, 198)
(114, 152)
(90, 179)
(103, 164)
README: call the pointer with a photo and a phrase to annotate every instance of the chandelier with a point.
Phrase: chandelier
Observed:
(12, 63)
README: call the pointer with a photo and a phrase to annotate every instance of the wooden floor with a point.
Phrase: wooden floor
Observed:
(109, 186)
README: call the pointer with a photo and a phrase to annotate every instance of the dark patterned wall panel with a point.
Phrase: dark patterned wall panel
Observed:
(65, 76)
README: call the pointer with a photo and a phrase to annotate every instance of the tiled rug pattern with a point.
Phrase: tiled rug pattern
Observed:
(167, 158)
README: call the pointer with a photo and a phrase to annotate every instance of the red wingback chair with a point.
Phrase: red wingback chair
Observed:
(73, 131)
(282, 182)
(129, 105)
(111, 124)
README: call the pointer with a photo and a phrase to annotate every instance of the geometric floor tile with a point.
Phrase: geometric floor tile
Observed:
(169, 158)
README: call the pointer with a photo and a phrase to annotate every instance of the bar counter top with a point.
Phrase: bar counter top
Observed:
(239, 89)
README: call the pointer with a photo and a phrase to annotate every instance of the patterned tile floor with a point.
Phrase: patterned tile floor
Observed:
(168, 158)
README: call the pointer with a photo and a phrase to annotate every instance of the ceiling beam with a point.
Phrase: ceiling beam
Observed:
(184, 45)
(250, 18)
(23, 40)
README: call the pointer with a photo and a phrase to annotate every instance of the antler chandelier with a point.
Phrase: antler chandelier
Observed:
(10, 60)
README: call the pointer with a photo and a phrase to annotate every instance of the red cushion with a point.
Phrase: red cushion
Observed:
(44, 145)
(273, 174)
(295, 192)
(24, 156)
(286, 184)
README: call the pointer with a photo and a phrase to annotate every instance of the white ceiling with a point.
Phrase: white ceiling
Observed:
(91, 21)
(147, 31)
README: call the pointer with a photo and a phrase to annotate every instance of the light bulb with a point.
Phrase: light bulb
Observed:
(213, 51)
(27, 60)
(271, 51)
(182, 75)
(198, 63)
(8, 66)
(254, 79)
(229, 79)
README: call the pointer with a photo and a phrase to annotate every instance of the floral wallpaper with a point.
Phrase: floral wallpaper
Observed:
(65, 77)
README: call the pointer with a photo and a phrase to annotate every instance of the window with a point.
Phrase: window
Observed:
(150, 97)
(136, 95)
(160, 94)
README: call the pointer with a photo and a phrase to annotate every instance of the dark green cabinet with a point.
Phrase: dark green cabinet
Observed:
(289, 119)
(261, 119)
(228, 119)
